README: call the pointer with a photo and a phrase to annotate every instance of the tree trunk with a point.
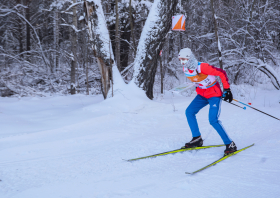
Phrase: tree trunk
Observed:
(161, 75)
(251, 11)
(28, 38)
(131, 28)
(170, 47)
(87, 72)
(100, 42)
(156, 28)
(216, 34)
(20, 30)
(56, 41)
(74, 51)
(117, 38)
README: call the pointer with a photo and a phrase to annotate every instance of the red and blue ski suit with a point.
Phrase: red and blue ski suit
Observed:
(208, 92)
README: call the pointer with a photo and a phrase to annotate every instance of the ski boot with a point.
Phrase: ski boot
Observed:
(230, 148)
(195, 142)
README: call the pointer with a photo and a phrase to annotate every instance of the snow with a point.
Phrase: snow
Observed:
(74, 146)
(215, 16)
(219, 45)
(102, 30)
(59, 3)
(134, 3)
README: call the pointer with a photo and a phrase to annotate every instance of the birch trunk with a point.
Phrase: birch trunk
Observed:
(100, 42)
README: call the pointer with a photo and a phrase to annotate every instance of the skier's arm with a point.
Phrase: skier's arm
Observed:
(211, 70)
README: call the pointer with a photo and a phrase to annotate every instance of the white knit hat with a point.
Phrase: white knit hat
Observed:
(192, 63)
(185, 53)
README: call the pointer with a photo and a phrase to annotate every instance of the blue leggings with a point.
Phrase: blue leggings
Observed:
(215, 108)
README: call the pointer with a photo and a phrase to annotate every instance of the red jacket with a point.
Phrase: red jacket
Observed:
(204, 78)
(214, 91)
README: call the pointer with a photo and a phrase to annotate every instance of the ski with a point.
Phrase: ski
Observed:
(176, 151)
(183, 87)
(219, 160)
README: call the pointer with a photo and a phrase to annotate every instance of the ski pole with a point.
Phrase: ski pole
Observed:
(236, 105)
(256, 109)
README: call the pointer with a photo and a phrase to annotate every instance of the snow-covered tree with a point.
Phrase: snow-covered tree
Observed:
(100, 41)
(36, 46)
(152, 39)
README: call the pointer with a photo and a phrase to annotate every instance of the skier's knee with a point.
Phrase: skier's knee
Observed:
(189, 112)
(213, 121)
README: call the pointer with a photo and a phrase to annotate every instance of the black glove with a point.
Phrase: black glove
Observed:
(227, 95)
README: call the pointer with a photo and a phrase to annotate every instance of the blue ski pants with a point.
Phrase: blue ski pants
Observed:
(215, 108)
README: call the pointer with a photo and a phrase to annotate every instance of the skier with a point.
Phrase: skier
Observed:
(208, 92)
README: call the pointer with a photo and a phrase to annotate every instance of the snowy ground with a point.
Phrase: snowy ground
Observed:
(74, 146)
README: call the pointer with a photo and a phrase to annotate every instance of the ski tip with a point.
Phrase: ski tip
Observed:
(188, 173)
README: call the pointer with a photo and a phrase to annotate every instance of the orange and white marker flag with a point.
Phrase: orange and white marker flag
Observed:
(178, 23)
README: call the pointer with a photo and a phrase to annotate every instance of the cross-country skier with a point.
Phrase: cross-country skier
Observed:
(208, 92)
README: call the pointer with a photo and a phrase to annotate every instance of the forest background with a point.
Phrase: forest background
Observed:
(53, 46)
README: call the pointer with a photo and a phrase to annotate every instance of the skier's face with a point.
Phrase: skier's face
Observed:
(184, 61)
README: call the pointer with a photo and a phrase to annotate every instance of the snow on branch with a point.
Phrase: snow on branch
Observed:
(73, 27)
(267, 69)
(71, 6)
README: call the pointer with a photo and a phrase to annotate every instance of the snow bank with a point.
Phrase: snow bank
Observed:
(74, 146)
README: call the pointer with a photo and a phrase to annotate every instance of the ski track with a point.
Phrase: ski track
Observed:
(75, 147)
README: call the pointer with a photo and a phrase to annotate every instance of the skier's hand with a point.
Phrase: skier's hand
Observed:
(227, 95)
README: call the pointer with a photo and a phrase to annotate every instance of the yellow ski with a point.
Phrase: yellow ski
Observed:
(219, 160)
(176, 151)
